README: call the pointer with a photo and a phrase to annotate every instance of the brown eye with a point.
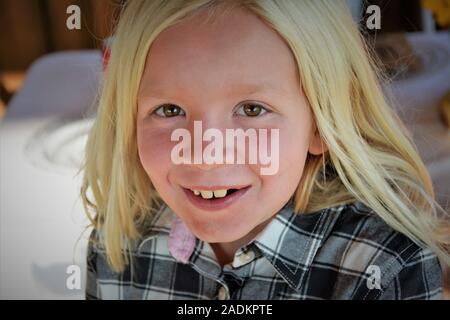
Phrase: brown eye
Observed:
(169, 110)
(251, 110)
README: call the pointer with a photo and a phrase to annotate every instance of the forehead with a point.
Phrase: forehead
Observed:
(235, 51)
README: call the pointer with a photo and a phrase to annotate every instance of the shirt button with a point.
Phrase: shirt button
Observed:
(247, 256)
(243, 258)
(223, 295)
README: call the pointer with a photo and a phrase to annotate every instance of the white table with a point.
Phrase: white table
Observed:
(41, 216)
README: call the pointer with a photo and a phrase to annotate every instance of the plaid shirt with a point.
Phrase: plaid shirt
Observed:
(343, 252)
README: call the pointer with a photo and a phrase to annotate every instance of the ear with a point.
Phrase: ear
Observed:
(316, 144)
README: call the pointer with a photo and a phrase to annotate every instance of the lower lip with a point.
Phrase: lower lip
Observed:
(215, 204)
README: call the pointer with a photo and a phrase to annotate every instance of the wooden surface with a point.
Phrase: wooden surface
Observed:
(34, 28)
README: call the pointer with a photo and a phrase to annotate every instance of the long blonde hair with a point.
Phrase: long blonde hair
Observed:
(370, 156)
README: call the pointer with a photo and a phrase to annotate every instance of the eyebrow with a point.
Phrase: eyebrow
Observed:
(256, 88)
(157, 91)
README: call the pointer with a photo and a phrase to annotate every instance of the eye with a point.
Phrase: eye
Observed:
(251, 110)
(169, 110)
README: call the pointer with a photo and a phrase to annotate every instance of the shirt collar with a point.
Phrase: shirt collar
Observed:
(289, 242)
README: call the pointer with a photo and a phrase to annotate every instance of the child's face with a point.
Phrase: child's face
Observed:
(206, 72)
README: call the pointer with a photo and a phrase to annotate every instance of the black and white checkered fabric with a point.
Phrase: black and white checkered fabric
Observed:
(344, 252)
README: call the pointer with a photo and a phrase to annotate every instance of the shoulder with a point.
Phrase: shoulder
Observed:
(158, 223)
(363, 247)
(359, 228)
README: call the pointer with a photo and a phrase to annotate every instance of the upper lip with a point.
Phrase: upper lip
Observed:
(215, 187)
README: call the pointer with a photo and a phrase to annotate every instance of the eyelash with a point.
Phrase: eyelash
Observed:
(165, 105)
(264, 110)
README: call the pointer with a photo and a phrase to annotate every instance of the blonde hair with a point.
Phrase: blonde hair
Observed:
(370, 156)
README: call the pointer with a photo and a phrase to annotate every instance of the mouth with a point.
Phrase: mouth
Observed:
(215, 198)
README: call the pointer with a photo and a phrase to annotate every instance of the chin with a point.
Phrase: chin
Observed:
(218, 236)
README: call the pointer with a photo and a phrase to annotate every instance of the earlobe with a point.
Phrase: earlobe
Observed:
(316, 145)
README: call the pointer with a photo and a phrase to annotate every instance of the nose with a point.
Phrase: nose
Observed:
(208, 143)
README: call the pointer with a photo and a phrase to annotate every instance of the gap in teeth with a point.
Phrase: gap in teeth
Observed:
(209, 194)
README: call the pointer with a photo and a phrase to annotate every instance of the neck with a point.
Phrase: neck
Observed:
(225, 251)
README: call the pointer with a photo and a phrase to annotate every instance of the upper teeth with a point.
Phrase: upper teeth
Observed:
(208, 194)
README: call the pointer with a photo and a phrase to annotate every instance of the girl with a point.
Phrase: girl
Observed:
(347, 214)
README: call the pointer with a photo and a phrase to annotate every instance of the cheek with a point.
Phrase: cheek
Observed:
(154, 148)
(293, 150)
(294, 144)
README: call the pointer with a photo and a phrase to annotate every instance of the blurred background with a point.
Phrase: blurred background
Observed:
(34, 28)
(49, 80)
